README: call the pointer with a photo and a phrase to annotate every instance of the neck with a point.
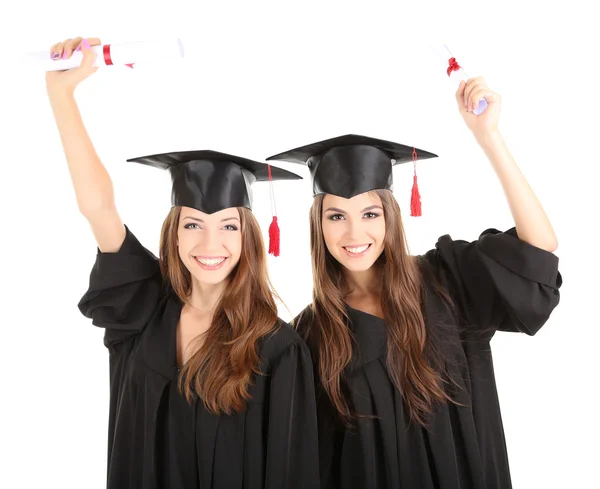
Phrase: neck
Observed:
(204, 297)
(363, 283)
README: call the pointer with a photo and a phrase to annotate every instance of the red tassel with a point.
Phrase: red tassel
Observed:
(274, 227)
(415, 199)
(274, 237)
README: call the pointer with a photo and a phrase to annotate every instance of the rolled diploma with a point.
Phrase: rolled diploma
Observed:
(444, 54)
(119, 54)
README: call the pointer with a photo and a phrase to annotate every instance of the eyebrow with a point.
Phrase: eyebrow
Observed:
(335, 209)
(222, 220)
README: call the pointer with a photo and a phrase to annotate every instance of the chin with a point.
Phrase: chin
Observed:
(354, 265)
(210, 279)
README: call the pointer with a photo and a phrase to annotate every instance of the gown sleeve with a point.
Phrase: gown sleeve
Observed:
(499, 281)
(124, 290)
(292, 441)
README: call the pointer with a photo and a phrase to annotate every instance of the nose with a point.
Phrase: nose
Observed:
(210, 242)
(353, 229)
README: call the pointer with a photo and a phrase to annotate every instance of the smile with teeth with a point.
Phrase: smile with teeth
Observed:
(210, 263)
(356, 250)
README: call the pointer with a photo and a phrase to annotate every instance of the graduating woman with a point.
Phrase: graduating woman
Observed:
(401, 344)
(208, 387)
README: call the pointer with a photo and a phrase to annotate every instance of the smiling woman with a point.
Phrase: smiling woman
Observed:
(205, 379)
(402, 342)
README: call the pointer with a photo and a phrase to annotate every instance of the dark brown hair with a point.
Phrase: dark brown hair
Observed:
(414, 362)
(221, 370)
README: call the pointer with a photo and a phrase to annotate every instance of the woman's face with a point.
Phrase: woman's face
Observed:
(354, 229)
(209, 245)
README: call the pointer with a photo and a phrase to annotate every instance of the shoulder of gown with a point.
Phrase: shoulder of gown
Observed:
(303, 321)
(124, 290)
(281, 342)
(498, 282)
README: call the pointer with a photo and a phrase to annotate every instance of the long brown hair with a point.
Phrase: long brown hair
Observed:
(221, 370)
(415, 364)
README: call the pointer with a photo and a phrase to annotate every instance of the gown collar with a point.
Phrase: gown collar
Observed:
(370, 334)
(158, 342)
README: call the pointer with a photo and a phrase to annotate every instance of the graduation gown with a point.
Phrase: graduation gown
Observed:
(498, 282)
(158, 440)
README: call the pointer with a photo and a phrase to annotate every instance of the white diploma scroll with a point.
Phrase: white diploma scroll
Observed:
(127, 54)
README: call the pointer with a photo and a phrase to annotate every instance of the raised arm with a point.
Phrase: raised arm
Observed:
(531, 221)
(92, 183)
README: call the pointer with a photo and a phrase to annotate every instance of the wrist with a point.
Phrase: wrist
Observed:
(489, 139)
(60, 95)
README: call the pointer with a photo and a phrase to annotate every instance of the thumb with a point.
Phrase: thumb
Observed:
(89, 57)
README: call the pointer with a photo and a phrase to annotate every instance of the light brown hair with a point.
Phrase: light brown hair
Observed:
(221, 370)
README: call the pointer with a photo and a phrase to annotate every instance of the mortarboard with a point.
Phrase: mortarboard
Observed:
(349, 165)
(210, 181)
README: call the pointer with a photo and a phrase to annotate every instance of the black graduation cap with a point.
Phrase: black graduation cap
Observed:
(350, 165)
(211, 181)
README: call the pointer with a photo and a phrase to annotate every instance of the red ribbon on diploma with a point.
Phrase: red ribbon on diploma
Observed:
(452, 66)
(108, 59)
(106, 52)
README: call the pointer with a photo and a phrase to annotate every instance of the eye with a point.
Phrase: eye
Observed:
(335, 217)
(230, 227)
(371, 215)
(191, 225)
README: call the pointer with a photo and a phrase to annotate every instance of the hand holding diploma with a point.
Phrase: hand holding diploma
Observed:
(469, 94)
(65, 81)
(66, 55)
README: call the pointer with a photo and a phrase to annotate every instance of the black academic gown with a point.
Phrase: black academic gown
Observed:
(498, 282)
(157, 440)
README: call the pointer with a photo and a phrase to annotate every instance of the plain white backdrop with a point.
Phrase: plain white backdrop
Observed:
(259, 78)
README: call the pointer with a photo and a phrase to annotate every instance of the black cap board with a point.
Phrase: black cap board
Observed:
(210, 181)
(349, 165)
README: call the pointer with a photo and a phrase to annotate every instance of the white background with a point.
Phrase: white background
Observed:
(259, 78)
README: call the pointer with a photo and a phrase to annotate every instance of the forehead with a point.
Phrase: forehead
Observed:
(359, 201)
(188, 212)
